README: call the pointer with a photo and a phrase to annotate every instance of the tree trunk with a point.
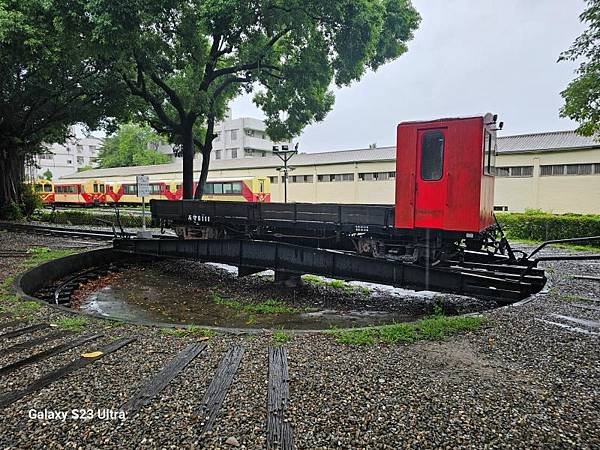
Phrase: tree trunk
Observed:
(206, 151)
(188, 161)
(12, 170)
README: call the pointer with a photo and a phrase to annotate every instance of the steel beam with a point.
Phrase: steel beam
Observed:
(334, 264)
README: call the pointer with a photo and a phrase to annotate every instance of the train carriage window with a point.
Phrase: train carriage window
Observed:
(155, 189)
(102, 188)
(227, 188)
(489, 154)
(38, 188)
(47, 188)
(129, 189)
(432, 155)
(95, 187)
(209, 188)
(218, 188)
(236, 188)
(74, 190)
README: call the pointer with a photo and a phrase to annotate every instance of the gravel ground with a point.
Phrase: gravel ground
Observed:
(517, 383)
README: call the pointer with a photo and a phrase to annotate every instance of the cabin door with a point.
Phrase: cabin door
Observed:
(430, 179)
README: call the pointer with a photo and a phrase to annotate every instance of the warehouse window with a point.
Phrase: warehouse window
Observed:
(432, 155)
(515, 171)
(569, 169)
(376, 176)
(301, 179)
(335, 177)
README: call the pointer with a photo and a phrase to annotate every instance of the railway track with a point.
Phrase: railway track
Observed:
(100, 235)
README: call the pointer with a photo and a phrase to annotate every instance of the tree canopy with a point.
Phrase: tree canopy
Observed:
(48, 81)
(131, 145)
(185, 59)
(582, 95)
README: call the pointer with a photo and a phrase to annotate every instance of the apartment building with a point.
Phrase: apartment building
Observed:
(64, 159)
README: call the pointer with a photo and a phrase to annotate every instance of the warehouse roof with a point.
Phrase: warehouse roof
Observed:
(535, 142)
(546, 142)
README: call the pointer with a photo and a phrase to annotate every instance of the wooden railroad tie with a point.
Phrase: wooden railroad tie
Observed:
(279, 430)
(40, 356)
(46, 380)
(217, 390)
(155, 384)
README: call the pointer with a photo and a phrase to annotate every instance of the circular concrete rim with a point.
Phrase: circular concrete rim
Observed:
(17, 289)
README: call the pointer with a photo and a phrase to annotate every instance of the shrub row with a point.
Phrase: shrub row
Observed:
(89, 218)
(537, 226)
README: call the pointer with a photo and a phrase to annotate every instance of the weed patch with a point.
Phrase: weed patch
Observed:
(192, 330)
(265, 307)
(340, 285)
(281, 337)
(72, 323)
(431, 328)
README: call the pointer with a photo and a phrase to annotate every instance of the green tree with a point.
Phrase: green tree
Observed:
(131, 145)
(48, 81)
(582, 95)
(48, 175)
(186, 59)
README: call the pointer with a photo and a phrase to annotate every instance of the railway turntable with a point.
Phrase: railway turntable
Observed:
(441, 233)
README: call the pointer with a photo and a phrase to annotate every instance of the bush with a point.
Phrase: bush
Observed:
(90, 218)
(540, 226)
(31, 202)
(12, 211)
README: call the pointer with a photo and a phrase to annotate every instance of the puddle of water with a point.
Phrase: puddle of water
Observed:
(152, 294)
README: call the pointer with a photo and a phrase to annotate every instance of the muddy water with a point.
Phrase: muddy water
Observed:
(185, 292)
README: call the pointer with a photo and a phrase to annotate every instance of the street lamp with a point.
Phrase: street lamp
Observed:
(285, 154)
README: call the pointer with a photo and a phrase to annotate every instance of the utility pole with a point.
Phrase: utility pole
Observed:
(285, 154)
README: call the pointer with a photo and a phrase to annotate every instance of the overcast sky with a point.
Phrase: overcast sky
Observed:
(468, 57)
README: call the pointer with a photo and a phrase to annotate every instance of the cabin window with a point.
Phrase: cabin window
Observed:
(432, 155)
(47, 188)
(489, 154)
(38, 188)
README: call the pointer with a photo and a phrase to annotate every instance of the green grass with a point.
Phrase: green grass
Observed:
(72, 323)
(340, 285)
(270, 306)
(281, 337)
(574, 247)
(6, 283)
(41, 255)
(431, 328)
(192, 330)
